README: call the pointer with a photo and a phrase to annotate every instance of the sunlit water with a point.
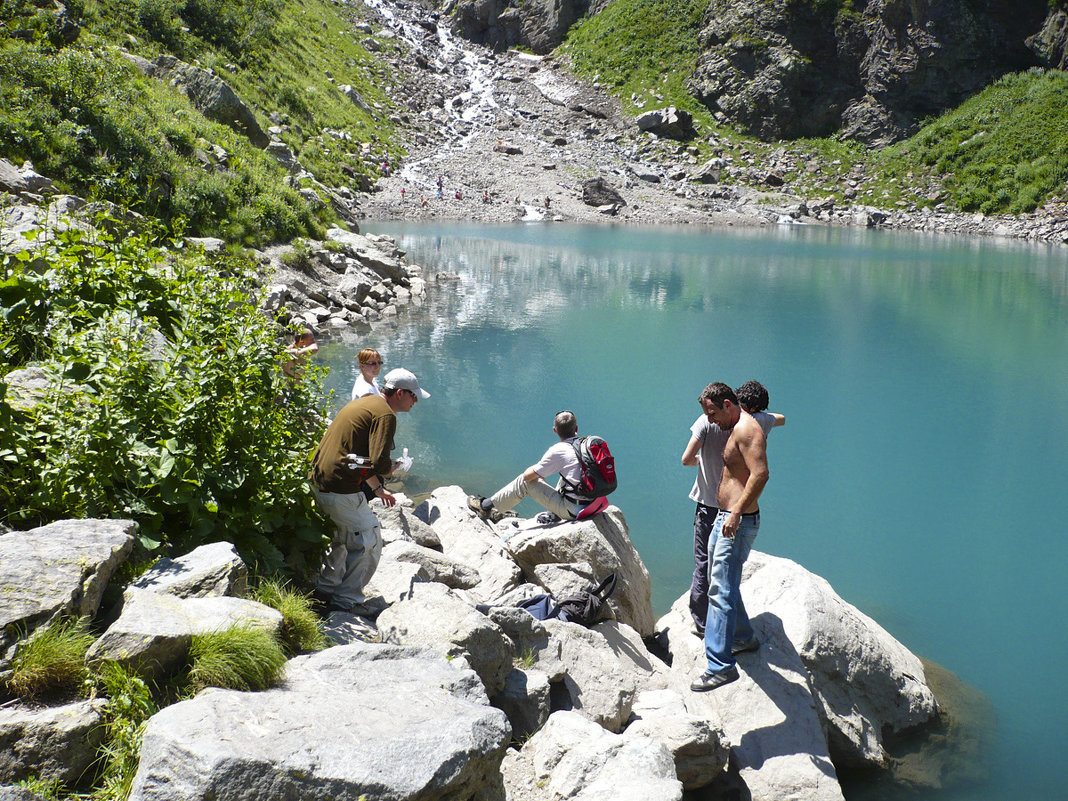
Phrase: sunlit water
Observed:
(923, 466)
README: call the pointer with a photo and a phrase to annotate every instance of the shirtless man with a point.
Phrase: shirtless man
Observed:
(745, 472)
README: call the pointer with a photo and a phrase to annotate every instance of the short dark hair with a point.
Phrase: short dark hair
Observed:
(566, 424)
(389, 392)
(717, 392)
(753, 396)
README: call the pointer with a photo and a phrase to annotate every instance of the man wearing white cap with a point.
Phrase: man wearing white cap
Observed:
(356, 448)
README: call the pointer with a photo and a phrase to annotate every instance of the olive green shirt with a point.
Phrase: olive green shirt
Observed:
(364, 427)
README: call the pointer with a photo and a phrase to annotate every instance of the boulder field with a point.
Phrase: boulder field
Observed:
(453, 692)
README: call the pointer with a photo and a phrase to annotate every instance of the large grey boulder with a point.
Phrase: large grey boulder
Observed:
(598, 192)
(56, 570)
(670, 122)
(212, 96)
(869, 686)
(386, 721)
(436, 566)
(393, 581)
(573, 758)
(697, 745)
(399, 522)
(23, 180)
(213, 569)
(526, 700)
(769, 715)
(538, 25)
(436, 617)
(470, 540)
(154, 632)
(56, 743)
(378, 254)
(602, 543)
(601, 669)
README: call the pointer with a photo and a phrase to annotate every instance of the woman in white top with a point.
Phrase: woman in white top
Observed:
(370, 363)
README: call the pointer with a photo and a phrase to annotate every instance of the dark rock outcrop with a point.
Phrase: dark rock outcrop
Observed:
(782, 70)
(1048, 44)
(598, 192)
(500, 24)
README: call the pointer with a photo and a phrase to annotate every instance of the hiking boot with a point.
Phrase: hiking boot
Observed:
(743, 646)
(474, 503)
(710, 681)
(548, 518)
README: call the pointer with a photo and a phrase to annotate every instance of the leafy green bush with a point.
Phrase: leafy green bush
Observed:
(167, 402)
(51, 663)
(238, 658)
(302, 631)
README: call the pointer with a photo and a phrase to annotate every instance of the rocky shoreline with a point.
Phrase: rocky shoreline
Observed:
(502, 127)
(453, 692)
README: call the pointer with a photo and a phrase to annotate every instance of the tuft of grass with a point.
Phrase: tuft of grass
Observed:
(526, 659)
(237, 658)
(52, 662)
(302, 631)
(130, 705)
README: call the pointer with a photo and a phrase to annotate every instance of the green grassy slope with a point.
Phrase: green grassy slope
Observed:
(87, 118)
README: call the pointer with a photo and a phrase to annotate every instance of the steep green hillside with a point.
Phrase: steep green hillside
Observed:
(1004, 150)
(86, 117)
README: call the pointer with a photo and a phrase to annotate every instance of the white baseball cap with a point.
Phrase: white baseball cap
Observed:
(404, 379)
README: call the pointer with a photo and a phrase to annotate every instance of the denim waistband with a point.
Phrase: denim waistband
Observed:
(750, 515)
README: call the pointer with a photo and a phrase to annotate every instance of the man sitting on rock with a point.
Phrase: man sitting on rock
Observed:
(561, 502)
(355, 449)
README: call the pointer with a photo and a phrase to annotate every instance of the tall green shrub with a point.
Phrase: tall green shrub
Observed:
(167, 403)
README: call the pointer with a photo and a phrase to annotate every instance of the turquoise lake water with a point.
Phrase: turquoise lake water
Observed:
(923, 466)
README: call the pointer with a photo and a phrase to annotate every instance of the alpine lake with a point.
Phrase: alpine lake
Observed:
(923, 468)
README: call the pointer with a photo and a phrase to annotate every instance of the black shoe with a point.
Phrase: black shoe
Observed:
(744, 646)
(710, 681)
(548, 518)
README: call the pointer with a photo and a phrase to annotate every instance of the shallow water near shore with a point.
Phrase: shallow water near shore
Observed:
(924, 380)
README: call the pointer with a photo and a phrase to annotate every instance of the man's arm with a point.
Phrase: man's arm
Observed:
(380, 442)
(780, 420)
(530, 474)
(689, 456)
(754, 451)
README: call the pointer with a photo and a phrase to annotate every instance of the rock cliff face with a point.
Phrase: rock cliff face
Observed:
(499, 24)
(784, 69)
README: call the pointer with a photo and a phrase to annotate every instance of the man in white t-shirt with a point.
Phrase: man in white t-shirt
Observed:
(560, 458)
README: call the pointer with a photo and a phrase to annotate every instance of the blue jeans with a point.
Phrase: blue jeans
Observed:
(727, 621)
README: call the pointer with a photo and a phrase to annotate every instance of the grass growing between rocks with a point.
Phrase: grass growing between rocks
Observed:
(237, 658)
(51, 664)
(302, 630)
(130, 705)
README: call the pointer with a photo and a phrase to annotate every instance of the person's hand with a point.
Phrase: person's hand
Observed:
(730, 525)
(385, 496)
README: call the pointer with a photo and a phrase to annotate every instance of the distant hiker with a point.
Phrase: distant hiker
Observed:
(485, 196)
(737, 521)
(559, 458)
(458, 195)
(297, 354)
(424, 201)
(546, 202)
(402, 194)
(355, 450)
(385, 169)
(369, 363)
